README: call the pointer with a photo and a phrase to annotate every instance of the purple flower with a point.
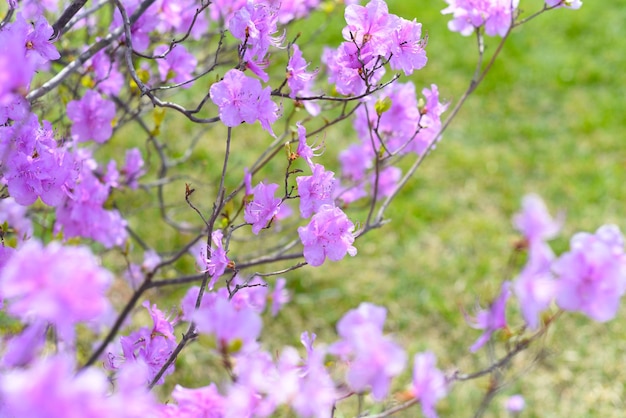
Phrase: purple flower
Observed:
(591, 277)
(254, 25)
(280, 296)
(38, 45)
(199, 402)
(495, 15)
(218, 261)
(396, 127)
(429, 383)
(16, 71)
(491, 319)
(386, 181)
(91, 117)
(369, 24)
(316, 190)
(152, 346)
(133, 168)
(328, 235)
(305, 151)
(106, 75)
(51, 388)
(262, 209)
(535, 286)
(178, 65)
(515, 403)
(23, 348)
(297, 77)
(316, 393)
(373, 358)
(228, 324)
(407, 47)
(82, 213)
(242, 99)
(14, 215)
(535, 222)
(62, 285)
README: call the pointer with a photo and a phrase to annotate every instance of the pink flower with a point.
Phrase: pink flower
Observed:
(535, 287)
(152, 346)
(491, 319)
(328, 235)
(535, 222)
(242, 99)
(373, 358)
(177, 66)
(495, 15)
(407, 47)
(199, 402)
(429, 383)
(369, 24)
(591, 277)
(228, 323)
(316, 190)
(297, 77)
(262, 209)
(62, 285)
(280, 296)
(91, 117)
(218, 260)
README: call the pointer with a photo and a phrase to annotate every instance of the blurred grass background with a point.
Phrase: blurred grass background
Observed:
(549, 119)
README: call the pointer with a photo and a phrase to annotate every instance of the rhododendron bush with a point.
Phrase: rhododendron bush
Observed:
(84, 92)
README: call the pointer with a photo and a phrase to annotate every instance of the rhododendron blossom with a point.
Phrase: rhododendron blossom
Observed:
(591, 276)
(242, 99)
(91, 117)
(262, 209)
(491, 319)
(328, 235)
(429, 383)
(59, 284)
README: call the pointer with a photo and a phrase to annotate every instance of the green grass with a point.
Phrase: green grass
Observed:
(548, 119)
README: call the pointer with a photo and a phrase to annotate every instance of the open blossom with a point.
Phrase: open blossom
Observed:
(242, 99)
(16, 71)
(151, 346)
(370, 24)
(328, 235)
(467, 15)
(297, 76)
(254, 25)
(374, 359)
(535, 222)
(407, 46)
(218, 260)
(177, 66)
(58, 284)
(262, 209)
(197, 402)
(316, 190)
(82, 212)
(429, 383)
(535, 286)
(228, 322)
(591, 276)
(52, 388)
(91, 117)
(491, 319)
